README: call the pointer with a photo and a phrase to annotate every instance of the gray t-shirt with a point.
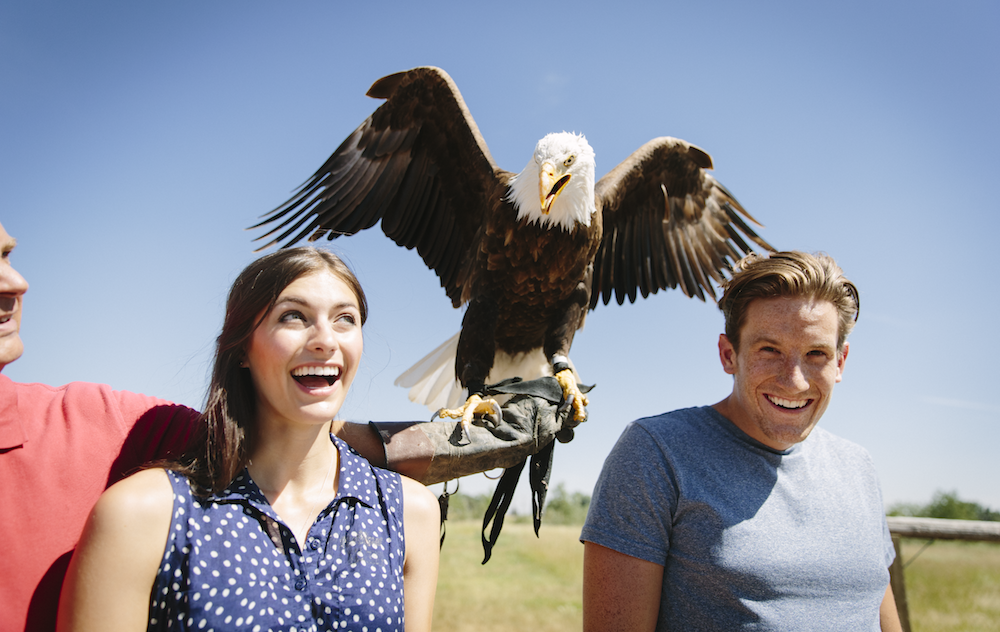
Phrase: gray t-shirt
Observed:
(749, 537)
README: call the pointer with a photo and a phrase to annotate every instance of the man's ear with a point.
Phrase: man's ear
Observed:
(842, 360)
(727, 354)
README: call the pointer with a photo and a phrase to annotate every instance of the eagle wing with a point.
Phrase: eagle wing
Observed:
(418, 163)
(667, 223)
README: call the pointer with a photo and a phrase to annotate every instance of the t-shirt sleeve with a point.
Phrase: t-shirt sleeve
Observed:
(634, 499)
(157, 430)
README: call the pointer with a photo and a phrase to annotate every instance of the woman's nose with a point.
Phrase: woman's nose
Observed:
(324, 337)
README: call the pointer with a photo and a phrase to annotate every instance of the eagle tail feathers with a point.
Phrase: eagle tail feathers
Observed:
(432, 380)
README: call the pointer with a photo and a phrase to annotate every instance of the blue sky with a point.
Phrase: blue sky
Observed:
(139, 140)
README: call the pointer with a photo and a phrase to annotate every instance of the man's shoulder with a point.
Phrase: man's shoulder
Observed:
(678, 421)
(39, 389)
(33, 400)
(36, 401)
(822, 441)
(822, 436)
(681, 433)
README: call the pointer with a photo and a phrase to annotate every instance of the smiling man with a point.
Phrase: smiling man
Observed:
(745, 515)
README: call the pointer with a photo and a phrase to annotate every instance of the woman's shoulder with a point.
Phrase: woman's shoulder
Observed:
(113, 570)
(146, 497)
(419, 502)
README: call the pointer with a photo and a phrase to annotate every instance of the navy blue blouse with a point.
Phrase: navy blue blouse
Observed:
(230, 563)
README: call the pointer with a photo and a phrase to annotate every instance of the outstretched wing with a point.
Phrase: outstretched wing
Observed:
(418, 164)
(667, 224)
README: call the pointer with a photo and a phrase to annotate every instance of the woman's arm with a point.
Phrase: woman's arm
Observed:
(422, 528)
(111, 576)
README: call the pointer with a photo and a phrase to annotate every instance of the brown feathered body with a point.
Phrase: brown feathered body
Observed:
(527, 287)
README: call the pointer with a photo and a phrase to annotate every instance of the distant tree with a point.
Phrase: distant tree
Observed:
(463, 507)
(561, 507)
(564, 507)
(946, 505)
(912, 510)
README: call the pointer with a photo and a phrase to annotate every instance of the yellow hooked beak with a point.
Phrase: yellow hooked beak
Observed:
(549, 187)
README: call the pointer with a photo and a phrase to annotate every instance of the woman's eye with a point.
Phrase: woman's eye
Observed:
(348, 318)
(291, 316)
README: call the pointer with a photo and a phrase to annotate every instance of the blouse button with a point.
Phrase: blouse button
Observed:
(313, 543)
(300, 583)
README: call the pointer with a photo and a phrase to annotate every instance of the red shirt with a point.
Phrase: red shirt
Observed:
(59, 449)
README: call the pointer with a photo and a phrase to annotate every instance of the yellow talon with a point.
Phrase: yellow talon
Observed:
(475, 404)
(567, 380)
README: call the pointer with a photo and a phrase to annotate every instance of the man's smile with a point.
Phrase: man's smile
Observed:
(788, 403)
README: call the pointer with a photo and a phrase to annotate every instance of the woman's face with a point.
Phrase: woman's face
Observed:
(303, 356)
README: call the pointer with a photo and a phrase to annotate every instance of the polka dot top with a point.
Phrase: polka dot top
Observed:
(230, 563)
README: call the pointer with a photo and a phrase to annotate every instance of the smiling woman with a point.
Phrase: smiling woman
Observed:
(303, 355)
(270, 520)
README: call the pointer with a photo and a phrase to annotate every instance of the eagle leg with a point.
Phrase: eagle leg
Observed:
(572, 394)
(488, 408)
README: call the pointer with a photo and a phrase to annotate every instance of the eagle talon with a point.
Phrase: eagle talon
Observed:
(572, 394)
(489, 409)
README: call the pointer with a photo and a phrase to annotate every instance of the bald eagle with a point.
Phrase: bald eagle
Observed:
(528, 253)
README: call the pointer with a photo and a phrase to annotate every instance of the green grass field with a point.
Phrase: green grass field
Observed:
(535, 583)
(953, 586)
(529, 584)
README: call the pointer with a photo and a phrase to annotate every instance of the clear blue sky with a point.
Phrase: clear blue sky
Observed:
(140, 139)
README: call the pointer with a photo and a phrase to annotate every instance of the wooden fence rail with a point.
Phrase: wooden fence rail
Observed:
(930, 529)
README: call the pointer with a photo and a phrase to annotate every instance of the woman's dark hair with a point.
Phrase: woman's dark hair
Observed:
(222, 445)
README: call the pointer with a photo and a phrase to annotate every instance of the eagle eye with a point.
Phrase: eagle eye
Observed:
(569, 161)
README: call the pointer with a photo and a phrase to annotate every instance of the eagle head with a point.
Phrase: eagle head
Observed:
(557, 185)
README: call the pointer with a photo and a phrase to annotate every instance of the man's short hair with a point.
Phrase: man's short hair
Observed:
(788, 274)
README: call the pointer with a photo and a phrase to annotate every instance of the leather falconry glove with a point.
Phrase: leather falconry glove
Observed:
(533, 419)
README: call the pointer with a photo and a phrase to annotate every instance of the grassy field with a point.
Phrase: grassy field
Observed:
(529, 584)
(953, 586)
(535, 583)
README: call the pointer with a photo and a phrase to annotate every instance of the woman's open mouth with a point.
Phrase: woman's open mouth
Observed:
(317, 376)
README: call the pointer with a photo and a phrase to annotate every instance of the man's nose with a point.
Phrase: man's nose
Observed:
(11, 281)
(793, 377)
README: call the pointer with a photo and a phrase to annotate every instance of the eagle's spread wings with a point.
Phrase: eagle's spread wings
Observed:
(667, 224)
(418, 163)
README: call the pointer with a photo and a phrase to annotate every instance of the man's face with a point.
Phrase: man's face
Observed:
(785, 369)
(12, 289)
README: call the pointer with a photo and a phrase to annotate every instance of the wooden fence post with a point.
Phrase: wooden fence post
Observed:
(898, 583)
(930, 529)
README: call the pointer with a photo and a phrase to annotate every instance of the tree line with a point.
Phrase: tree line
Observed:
(946, 505)
(570, 508)
(561, 507)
